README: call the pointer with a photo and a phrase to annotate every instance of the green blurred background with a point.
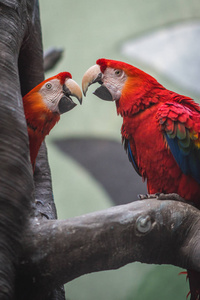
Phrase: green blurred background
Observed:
(88, 30)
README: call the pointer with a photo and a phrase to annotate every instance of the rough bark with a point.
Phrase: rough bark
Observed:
(21, 64)
(16, 184)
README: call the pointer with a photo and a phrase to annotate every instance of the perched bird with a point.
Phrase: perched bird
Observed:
(43, 106)
(160, 132)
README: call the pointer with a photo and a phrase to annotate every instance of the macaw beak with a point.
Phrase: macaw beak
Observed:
(70, 88)
(93, 75)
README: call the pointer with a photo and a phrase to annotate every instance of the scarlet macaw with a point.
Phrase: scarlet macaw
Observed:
(160, 131)
(43, 106)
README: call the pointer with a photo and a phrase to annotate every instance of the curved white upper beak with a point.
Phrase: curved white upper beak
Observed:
(92, 75)
(74, 89)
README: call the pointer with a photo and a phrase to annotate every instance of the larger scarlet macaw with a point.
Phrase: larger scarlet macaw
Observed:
(160, 131)
(43, 106)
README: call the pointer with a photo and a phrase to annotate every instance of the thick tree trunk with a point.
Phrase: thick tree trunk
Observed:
(21, 64)
(16, 183)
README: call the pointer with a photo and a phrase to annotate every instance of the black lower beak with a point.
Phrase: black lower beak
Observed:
(65, 104)
(103, 93)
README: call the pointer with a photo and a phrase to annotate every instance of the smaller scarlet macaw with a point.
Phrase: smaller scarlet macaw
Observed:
(160, 131)
(43, 106)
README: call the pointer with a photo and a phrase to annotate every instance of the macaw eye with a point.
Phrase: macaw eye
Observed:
(48, 85)
(118, 72)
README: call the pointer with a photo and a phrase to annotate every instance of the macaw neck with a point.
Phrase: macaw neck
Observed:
(134, 101)
(40, 120)
(37, 131)
(38, 116)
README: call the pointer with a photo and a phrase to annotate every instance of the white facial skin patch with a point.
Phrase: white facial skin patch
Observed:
(52, 92)
(114, 80)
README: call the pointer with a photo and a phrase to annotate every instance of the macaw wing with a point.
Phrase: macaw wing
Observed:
(181, 127)
(131, 158)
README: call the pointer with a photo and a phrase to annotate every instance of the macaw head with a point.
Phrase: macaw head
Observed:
(119, 82)
(54, 94)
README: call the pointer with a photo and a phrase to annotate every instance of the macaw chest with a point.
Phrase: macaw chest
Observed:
(147, 145)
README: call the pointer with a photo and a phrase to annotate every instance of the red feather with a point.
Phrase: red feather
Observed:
(62, 76)
(40, 120)
(154, 120)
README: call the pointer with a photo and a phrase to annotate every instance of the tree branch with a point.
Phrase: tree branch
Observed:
(52, 57)
(149, 231)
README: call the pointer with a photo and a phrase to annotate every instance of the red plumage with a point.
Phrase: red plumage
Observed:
(40, 120)
(38, 128)
(150, 112)
(160, 131)
(62, 76)
(147, 109)
(153, 157)
(41, 108)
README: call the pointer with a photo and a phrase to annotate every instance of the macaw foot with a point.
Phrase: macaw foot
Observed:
(175, 197)
(162, 196)
(148, 196)
(171, 196)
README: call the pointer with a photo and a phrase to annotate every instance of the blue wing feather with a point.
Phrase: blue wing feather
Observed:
(180, 123)
(189, 160)
(131, 158)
